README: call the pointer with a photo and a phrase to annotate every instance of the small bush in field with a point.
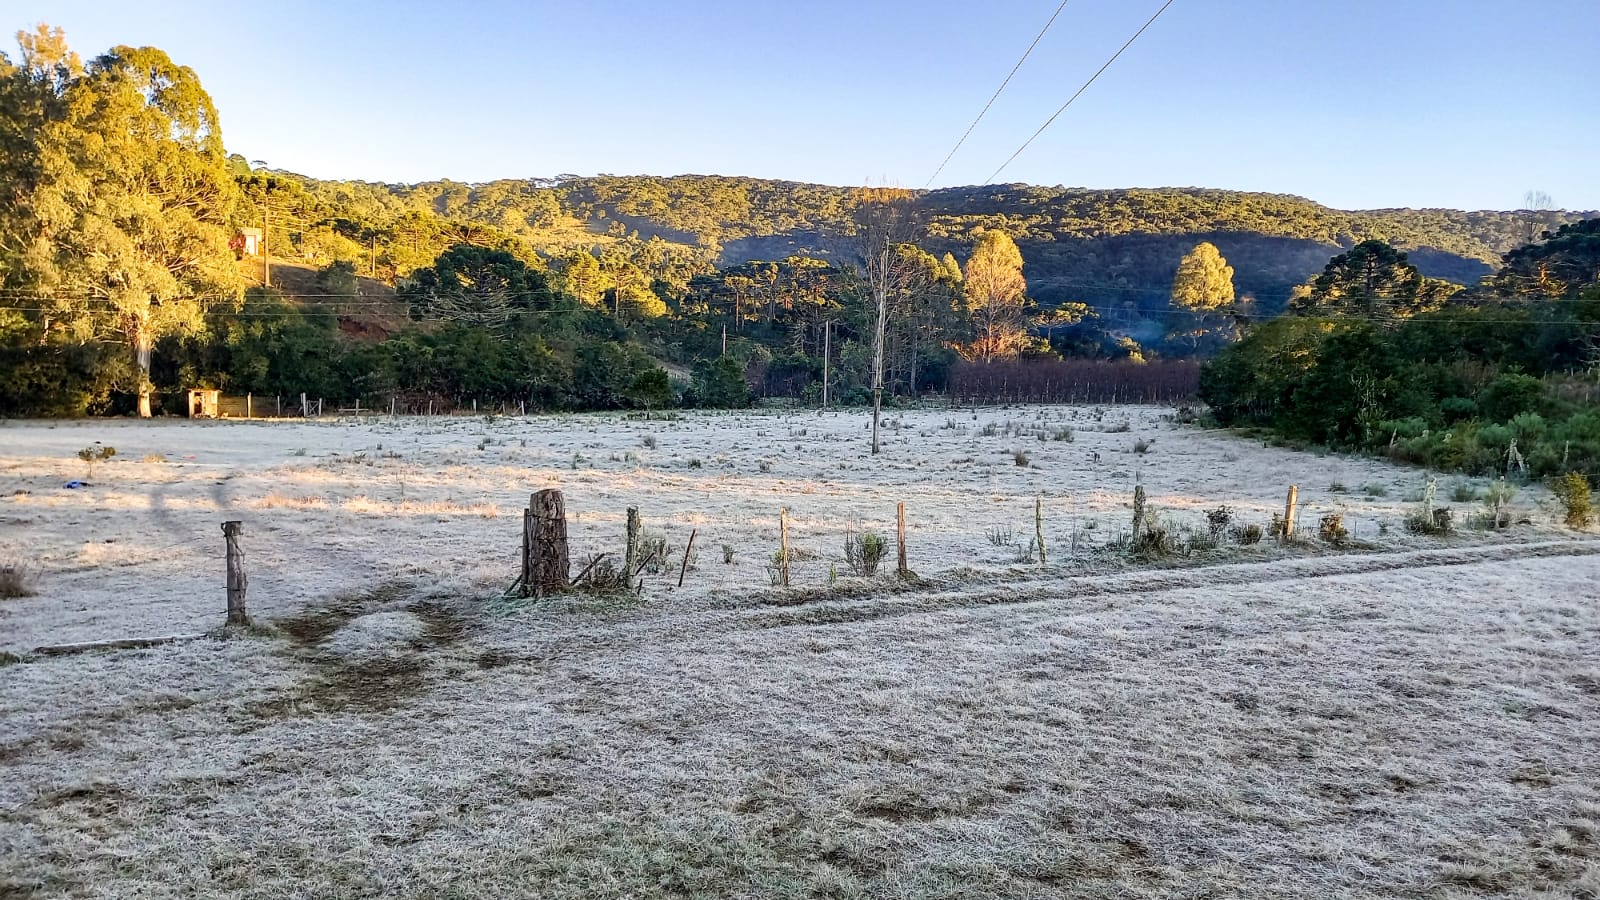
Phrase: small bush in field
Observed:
(1435, 522)
(1020, 457)
(864, 551)
(1572, 489)
(1218, 520)
(16, 580)
(96, 453)
(1332, 531)
(1247, 534)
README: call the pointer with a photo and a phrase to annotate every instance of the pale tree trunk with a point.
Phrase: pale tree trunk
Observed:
(881, 290)
(143, 345)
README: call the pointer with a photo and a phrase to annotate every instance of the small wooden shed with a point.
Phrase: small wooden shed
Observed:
(203, 403)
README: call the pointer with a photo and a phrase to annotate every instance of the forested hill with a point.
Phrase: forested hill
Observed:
(1105, 247)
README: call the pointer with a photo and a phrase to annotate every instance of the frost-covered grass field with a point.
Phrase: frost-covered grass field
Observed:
(1410, 717)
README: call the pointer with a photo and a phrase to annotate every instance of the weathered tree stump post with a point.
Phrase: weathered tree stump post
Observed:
(631, 563)
(1289, 511)
(546, 568)
(783, 546)
(1138, 510)
(901, 569)
(1038, 527)
(236, 577)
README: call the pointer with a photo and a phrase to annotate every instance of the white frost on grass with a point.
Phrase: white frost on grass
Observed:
(336, 508)
(378, 634)
(1362, 727)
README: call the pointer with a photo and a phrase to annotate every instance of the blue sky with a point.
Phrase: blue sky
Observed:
(1356, 104)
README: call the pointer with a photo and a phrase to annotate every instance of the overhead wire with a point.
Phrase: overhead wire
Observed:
(997, 91)
(1079, 92)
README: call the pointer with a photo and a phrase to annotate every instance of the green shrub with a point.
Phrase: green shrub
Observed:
(1572, 489)
(1455, 409)
(1509, 396)
(864, 551)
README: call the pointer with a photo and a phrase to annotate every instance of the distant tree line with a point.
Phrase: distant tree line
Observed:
(1501, 379)
(127, 272)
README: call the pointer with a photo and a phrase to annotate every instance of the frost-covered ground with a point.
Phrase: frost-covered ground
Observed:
(338, 507)
(1416, 718)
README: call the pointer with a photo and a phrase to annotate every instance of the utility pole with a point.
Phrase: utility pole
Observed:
(724, 338)
(372, 258)
(827, 335)
(266, 249)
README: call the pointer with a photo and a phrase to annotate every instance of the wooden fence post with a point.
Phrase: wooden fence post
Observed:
(902, 569)
(1038, 526)
(783, 546)
(630, 559)
(1289, 511)
(250, 405)
(1138, 511)
(236, 576)
(305, 410)
(688, 548)
(391, 407)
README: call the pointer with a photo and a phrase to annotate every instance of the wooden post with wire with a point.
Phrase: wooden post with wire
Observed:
(1289, 508)
(631, 564)
(689, 548)
(783, 546)
(903, 570)
(827, 354)
(236, 577)
(1038, 527)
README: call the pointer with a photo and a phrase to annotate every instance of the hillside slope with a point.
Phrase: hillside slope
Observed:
(1114, 248)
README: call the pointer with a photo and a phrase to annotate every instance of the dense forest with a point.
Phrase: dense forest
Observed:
(139, 258)
(1507, 385)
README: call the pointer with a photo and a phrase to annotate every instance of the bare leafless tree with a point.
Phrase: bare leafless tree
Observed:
(885, 218)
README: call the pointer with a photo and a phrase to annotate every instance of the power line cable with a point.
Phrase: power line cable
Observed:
(1075, 96)
(996, 95)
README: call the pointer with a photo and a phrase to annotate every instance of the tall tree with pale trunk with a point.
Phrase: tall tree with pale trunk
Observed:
(128, 212)
(885, 218)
